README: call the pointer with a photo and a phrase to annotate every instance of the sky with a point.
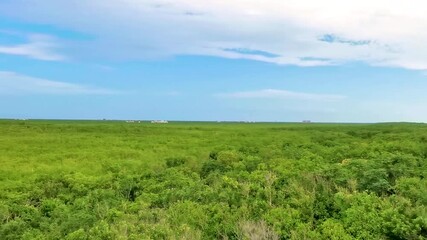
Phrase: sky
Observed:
(222, 60)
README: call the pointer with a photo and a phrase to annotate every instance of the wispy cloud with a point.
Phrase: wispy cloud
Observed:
(246, 51)
(15, 83)
(381, 32)
(37, 46)
(281, 94)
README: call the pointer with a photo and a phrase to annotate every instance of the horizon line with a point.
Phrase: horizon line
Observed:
(206, 121)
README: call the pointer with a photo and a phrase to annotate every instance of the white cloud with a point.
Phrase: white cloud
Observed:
(281, 94)
(392, 32)
(38, 46)
(15, 83)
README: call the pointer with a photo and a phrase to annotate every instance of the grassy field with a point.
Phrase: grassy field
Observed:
(197, 180)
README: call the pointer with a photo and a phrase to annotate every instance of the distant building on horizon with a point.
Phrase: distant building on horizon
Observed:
(159, 121)
(306, 121)
(133, 121)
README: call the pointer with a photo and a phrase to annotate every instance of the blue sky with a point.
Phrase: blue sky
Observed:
(220, 60)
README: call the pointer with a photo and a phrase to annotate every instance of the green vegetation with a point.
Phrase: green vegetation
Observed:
(117, 180)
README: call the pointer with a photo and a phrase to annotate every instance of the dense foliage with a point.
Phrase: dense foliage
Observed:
(117, 180)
